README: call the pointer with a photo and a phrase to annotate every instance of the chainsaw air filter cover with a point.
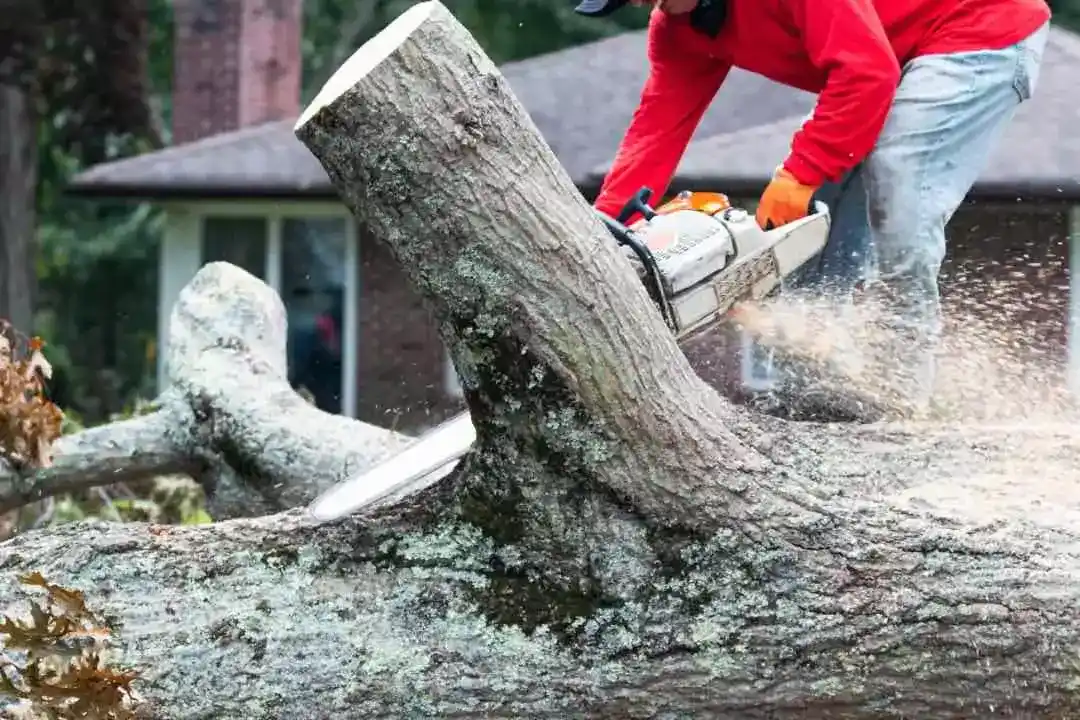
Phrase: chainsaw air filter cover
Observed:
(710, 262)
(688, 246)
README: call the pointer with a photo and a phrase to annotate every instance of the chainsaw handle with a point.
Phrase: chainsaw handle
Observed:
(637, 204)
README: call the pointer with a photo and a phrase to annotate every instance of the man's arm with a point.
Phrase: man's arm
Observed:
(677, 93)
(846, 40)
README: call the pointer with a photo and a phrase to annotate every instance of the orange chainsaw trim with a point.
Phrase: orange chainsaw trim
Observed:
(709, 203)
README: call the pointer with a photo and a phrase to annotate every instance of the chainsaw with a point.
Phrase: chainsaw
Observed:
(697, 256)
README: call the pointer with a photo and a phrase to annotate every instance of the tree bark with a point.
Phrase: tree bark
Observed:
(578, 608)
(229, 418)
(559, 351)
(623, 543)
(18, 202)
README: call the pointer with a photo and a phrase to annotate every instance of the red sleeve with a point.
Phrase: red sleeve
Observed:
(846, 40)
(679, 89)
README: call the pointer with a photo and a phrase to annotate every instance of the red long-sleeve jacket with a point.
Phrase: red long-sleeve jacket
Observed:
(849, 52)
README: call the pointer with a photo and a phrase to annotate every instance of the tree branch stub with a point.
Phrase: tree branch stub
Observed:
(229, 418)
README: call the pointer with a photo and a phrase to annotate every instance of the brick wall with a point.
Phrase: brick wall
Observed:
(236, 63)
(401, 380)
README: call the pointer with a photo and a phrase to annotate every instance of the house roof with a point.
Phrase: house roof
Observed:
(581, 99)
(1038, 157)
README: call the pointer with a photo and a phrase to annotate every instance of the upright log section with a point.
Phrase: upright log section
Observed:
(560, 353)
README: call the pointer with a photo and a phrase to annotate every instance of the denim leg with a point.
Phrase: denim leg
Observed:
(844, 262)
(948, 114)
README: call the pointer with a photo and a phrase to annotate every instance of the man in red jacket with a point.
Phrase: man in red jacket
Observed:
(912, 97)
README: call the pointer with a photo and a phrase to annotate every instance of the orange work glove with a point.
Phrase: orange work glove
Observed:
(784, 200)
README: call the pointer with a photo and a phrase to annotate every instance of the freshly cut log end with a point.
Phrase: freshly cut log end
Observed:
(368, 57)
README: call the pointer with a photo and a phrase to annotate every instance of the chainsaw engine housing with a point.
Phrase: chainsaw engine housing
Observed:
(699, 257)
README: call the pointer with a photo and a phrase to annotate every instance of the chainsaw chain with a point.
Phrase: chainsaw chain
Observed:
(739, 281)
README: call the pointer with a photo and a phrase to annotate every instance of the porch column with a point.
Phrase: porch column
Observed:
(178, 261)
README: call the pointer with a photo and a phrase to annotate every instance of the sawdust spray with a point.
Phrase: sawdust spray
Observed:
(994, 364)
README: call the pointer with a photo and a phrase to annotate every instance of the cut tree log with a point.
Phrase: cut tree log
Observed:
(229, 419)
(622, 543)
(560, 353)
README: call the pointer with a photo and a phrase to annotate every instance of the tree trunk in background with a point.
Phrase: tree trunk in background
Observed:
(18, 198)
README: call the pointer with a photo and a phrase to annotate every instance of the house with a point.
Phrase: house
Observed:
(238, 186)
(1015, 238)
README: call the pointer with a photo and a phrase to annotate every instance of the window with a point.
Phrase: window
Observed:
(305, 257)
(313, 263)
(240, 241)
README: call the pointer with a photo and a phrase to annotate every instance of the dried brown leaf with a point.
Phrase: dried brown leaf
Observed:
(29, 422)
(64, 675)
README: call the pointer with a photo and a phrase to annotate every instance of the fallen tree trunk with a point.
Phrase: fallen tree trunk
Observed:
(442, 607)
(623, 543)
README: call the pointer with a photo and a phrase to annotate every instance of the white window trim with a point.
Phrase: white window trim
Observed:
(275, 212)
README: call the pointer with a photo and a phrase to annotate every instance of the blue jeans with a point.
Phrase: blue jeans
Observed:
(889, 213)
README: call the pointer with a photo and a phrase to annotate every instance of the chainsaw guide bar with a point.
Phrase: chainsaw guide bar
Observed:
(698, 258)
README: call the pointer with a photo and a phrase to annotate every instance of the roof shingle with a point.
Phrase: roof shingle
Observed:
(1038, 156)
(581, 99)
